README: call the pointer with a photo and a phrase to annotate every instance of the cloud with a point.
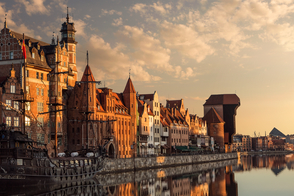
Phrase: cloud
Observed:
(186, 40)
(87, 16)
(157, 7)
(117, 22)
(147, 50)
(80, 26)
(112, 63)
(109, 12)
(61, 5)
(282, 34)
(35, 7)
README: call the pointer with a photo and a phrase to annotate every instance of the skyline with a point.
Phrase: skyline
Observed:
(197, 47)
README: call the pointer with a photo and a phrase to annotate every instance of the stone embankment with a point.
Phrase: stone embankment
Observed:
(144, 163)
(112, 179)
(266, 152)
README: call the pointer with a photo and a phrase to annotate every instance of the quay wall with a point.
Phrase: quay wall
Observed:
(112, 179)
(144, 163)
(266, 152)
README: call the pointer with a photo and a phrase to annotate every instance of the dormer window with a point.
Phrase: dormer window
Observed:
(42, 58)
(33, 55)
(30, 44)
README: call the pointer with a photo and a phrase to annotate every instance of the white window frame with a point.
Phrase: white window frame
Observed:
(16, 121)
(8, 102)
(16, 105)
(12, 88)
(11, 55)
(8, 121)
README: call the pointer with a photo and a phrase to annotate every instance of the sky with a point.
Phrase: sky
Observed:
(183, 49)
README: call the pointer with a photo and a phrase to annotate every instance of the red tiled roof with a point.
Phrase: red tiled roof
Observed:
(87, 76)
(213, 117)
(150, 112)
(129, 88)
(224, 99)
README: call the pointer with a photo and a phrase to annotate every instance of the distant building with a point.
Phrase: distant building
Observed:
(276, 133)
(242, 142)
(226, 106)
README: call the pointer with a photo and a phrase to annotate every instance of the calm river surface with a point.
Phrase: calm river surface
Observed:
(250, 175)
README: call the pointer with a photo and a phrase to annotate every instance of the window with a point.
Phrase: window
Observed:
(38, 91)
(27, 71)
(27, 122)
(11, 55)
(40, 107)
(42, 57)
(33, 55)
(42, 92)
(12, 89)
(28, 89)
(8, 102)
(0, 56)
(16, 121)
(16, 105)
(78, 141)
(40, 121)
(28, 106)
(8, 121)
(41, 76)
(37, 75)
(64, 64)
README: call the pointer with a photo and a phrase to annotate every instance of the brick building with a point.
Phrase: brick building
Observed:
(178, 138)
(109, 121)
(48, 71)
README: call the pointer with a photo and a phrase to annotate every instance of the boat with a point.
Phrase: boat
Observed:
(21, 162)
(24, 161)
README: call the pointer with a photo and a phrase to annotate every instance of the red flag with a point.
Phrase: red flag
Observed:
(24, 50)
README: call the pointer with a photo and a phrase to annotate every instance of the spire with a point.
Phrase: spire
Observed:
(57, 41)
(5, 23)
(129, 88)
(87, 76)
(53, 40)
(68, 15)
(12, 71)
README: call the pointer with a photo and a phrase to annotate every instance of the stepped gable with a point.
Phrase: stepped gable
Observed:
(275, 132)
(223, 99)
(87, 73)
(129, 88)
(213, 117)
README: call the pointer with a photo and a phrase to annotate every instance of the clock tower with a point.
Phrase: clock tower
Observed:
(68, 38)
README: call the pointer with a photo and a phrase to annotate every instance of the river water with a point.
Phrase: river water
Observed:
(249, 175)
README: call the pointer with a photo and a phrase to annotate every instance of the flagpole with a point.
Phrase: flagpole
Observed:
(24, 86)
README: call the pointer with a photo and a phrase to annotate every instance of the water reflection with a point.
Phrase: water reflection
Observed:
(211, 179)
(276, 163)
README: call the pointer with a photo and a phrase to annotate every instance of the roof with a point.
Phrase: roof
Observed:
(87, 76)
(223, 99)
(275, 132)
(212, 116)
(173, 103)
(20, 37)
(129, 88)
(146, 96)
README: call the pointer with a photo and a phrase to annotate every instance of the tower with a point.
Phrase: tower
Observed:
(68, 38)
(129, 96)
